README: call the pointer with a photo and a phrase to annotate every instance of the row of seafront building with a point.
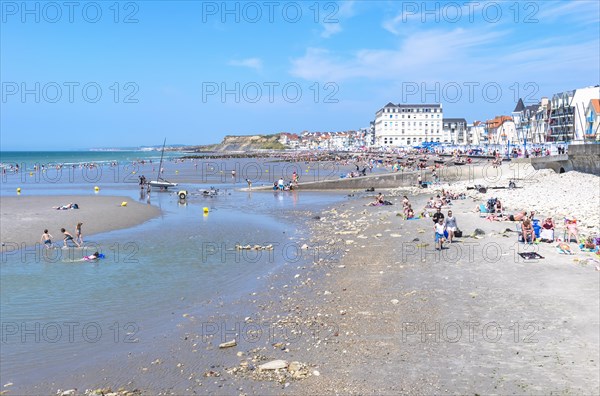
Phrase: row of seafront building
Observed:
(568, 117)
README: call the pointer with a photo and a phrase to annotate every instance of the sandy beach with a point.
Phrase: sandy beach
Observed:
(382, 312)
(376, 309)
(393, 315)
(25, 218)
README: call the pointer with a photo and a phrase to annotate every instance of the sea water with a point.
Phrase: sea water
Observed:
(59, 314)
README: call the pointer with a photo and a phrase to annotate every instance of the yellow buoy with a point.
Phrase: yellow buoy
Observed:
(124, 203)
(205, 210)
(176, 171)
(96, 188)
(18, 190)
(30, 173)
(133, 172)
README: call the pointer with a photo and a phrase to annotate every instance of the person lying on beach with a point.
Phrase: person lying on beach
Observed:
(518, 216)
(564, 248)
(68, 237)
(527, 231)
(65, 207)
(496, 217)
(46, 239)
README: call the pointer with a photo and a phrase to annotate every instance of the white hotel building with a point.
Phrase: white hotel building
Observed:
(408, 125)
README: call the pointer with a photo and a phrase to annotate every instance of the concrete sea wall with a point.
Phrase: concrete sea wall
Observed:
(582, 158)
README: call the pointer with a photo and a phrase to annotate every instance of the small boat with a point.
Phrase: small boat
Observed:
(459, 162)
(439, 161)
(161, 183)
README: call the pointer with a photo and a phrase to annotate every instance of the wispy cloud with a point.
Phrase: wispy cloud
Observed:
(421, 13)
(329, 29)
(580, 12)
(417, 55)
(333, 14)
(253, 63)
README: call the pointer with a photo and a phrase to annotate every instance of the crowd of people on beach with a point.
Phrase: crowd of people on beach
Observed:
(531, 230)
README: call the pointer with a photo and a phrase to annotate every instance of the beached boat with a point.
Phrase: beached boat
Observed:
(160, 182)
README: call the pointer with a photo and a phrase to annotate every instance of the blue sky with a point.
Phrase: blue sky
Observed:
(155, 68)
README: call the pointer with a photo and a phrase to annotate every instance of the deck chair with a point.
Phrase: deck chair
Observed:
(519, 231)
(483, 212)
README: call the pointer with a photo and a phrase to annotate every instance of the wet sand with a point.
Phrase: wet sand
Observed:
(24, 218)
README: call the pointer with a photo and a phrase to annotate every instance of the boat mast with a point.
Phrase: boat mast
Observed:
(161, 160)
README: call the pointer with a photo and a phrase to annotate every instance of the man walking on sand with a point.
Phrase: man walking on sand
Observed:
(438, 215)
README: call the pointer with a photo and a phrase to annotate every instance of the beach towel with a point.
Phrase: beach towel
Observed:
(530, 255)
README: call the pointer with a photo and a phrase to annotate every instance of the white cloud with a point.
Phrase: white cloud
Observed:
(330, 29)
(580, 12)
(425, 14)
(331, 17)
(420, 54)
(253, 63)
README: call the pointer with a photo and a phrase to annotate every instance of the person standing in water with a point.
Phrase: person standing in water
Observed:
(78, 234)
(68, 237)
(46, 239)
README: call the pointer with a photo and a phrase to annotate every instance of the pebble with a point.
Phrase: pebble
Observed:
(228, 344)
(273, 365)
